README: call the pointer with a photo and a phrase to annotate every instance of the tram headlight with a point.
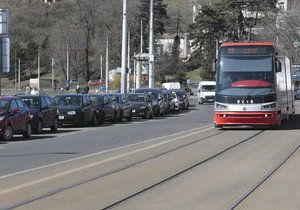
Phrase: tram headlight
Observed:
(268, 106)
(221, 106)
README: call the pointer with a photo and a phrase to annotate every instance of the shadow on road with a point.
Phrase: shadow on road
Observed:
(292, 124)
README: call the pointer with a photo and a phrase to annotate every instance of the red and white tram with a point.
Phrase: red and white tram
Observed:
(253, 85)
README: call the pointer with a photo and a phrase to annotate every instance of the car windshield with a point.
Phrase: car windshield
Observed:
(152, 93)
(137, 98)
(4, 105)
(115, 98)
(97, 100)
(33, 102)
(208, 88)
(68, 100)
(179, 94)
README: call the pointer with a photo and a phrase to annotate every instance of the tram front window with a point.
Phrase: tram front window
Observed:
(245, 75)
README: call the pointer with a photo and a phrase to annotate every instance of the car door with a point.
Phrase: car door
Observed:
(52, 109)
(15, 116)
(126, 106)
(44, 112)
(23, 111)
(109, 112)
(87, 108)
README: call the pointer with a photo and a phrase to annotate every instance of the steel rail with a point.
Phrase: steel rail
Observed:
(261, 181)
(48, 194)
(179, 173)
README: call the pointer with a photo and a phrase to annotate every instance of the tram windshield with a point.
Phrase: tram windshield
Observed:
(245, 72)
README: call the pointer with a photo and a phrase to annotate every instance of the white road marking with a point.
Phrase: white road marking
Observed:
(96, 163)
(200, 129)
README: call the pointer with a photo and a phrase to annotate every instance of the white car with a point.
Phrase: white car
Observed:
(206, 91)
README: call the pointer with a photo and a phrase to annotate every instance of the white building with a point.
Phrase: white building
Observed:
(164, 44)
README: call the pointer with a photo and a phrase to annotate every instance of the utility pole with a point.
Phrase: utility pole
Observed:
(15, 72)
(68, 65)
(19, 74)
(151, 48)
(106, 69)
(39, 71)
(124, 44)
(128, 63)
(141, 36)
(101, 69)
(52, 70)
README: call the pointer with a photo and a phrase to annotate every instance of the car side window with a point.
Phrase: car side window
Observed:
(85, 102)
(105, 99)
(43, 102)
(13, 105)
(20, 104)
(48, 101)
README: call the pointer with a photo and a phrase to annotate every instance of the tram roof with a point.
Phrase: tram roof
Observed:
(231, 44)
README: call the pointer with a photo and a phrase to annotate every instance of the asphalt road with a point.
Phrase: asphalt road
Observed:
(74, 142)
(176, 162)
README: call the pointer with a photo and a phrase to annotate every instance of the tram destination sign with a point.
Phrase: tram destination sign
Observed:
(247, 50)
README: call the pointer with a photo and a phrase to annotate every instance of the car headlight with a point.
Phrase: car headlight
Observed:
(221, 106)
(142, 107)
(2, 118)
(269, 106)
(71, 112)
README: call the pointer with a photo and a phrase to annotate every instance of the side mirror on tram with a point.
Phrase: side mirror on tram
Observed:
(278, 66)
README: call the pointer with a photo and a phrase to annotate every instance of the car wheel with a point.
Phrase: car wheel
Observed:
(94, 120)
(200, 101)
(81, 121)
(114, 119)
(129, 118)
(27, 133)
(39, 126)
(145, 116)
(54, 126)
(121, 116)
(8, 133)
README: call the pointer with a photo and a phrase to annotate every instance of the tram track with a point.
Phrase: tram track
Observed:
(262, 180)
(128, 166)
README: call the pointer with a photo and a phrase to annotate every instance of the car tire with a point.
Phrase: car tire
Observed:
(114, 119)
(129, 118)
(54, 127)
(39, 127)
(8, 133)
(120, 116)
(81, 121)
(28, 132)
(94, 120)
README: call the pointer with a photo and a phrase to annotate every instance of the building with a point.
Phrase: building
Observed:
(164, 44)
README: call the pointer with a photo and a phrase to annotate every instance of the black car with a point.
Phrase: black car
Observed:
(159, 105)
(105, 108)
(141, 105)
(43, 112)
(14, 118)
(123, 106)
(76, 109)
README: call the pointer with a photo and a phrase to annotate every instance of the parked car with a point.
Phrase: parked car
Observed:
(157, 100)
(105, 108)
(141, 105)
(75, 109)
(123, 106)
(14, 118)
(181, 99)
(168, 97)
(43, 112)
(297, 93)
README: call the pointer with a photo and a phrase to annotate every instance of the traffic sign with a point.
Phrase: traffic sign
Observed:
(296, 43)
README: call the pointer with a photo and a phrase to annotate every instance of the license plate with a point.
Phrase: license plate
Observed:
(133, 111)
(61, 117)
